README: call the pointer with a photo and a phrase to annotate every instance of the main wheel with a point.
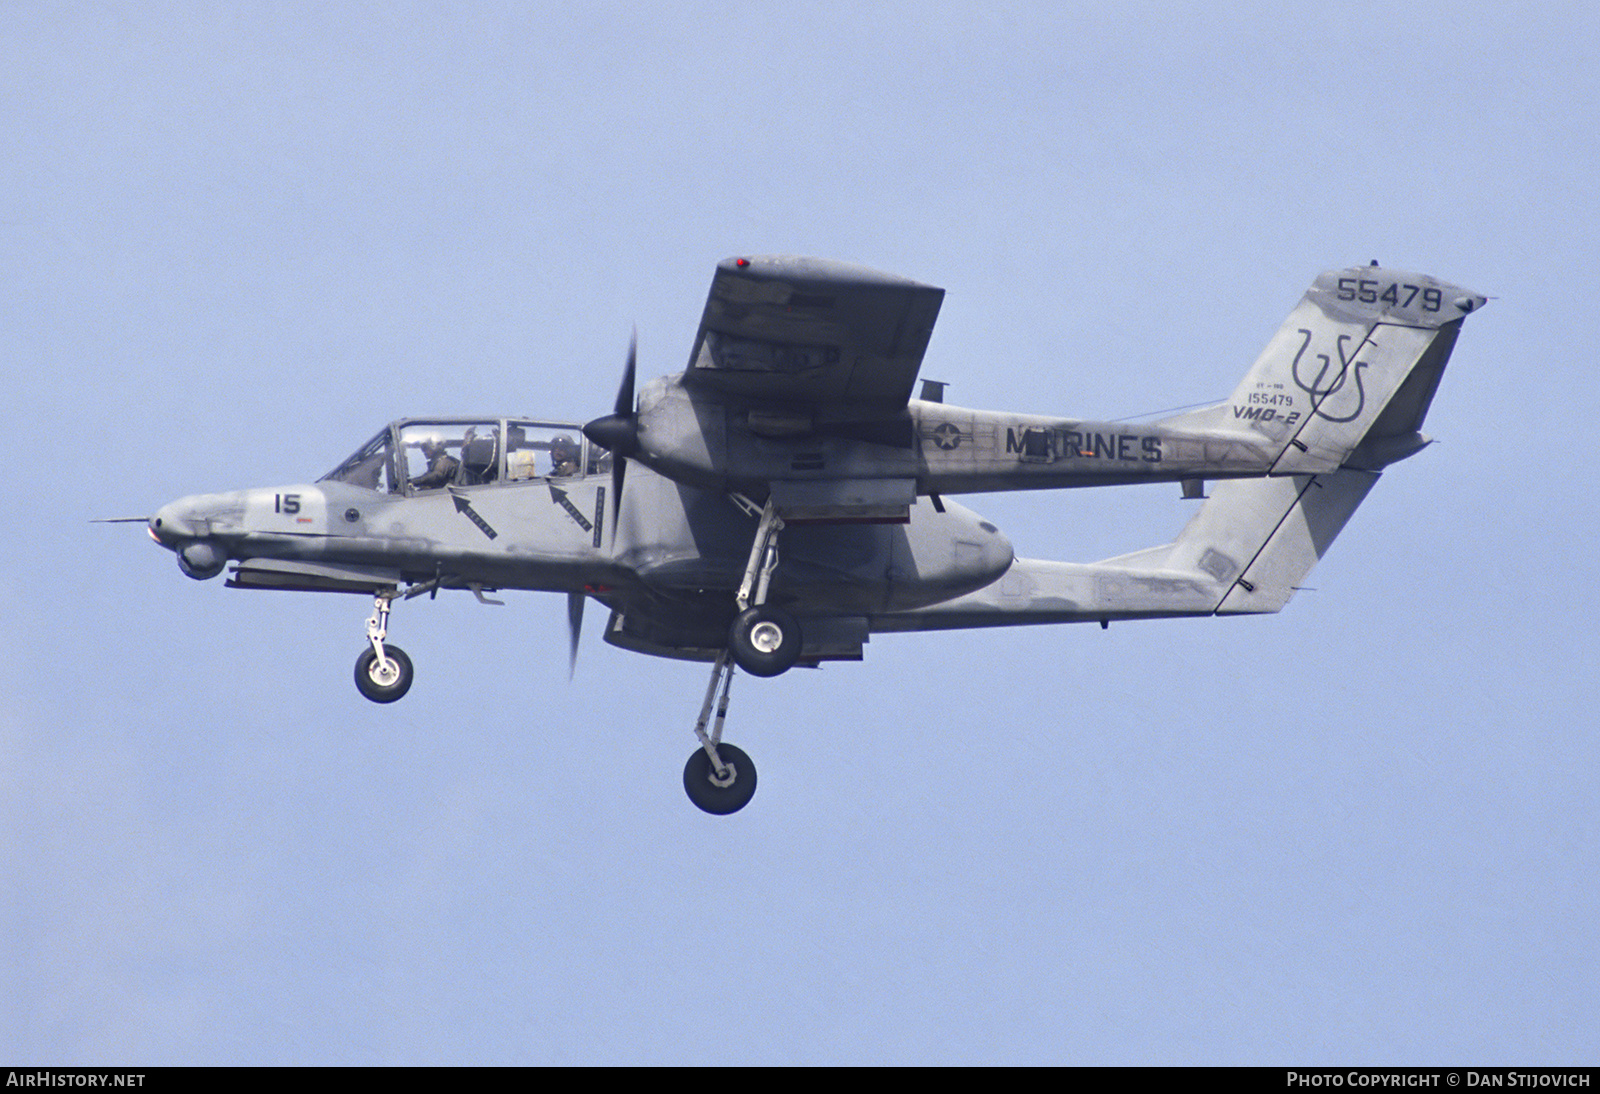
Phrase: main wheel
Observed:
(383, 683)
(764, 641)
(720, 796)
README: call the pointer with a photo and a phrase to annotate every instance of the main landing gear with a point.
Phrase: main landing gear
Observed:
(719, 778)
(764, 641)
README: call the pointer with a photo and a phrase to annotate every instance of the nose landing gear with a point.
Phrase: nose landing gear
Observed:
(383, 673)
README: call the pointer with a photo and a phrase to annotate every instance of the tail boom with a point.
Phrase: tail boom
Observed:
(1244, 553)
(1339, 393)
(1357, 359)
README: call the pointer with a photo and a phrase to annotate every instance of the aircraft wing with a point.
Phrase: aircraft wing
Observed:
(838, 341)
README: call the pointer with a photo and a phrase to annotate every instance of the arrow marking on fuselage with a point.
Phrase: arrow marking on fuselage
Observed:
(560, 498)
(464, 506)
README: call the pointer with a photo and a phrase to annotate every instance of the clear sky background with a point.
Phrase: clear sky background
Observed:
(236, 239)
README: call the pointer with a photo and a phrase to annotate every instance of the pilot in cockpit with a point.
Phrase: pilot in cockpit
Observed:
(441, 467)
(563, 456)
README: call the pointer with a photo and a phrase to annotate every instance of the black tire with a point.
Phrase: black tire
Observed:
(720, 800)
(764, 641)
(373, 685)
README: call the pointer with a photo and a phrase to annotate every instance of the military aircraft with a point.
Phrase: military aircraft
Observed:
(784, 497)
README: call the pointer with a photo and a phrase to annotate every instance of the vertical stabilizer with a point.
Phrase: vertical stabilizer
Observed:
(1359, 341)
(1260, 538)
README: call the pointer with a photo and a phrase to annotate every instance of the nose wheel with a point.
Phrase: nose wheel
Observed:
(383, 680)
(383, 673)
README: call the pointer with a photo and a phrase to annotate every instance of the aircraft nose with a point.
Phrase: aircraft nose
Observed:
(185, 528)
(174, 523)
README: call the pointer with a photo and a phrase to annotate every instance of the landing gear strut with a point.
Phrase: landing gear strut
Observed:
(383, 673)
(764, 641)
(719, 778)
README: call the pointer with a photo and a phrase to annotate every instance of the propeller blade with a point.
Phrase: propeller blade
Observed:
(619, 469)
(624, 407)
(574, 627)
(618, 432)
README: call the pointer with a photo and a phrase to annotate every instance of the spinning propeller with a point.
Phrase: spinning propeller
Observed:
(617, 433)
(574, 627)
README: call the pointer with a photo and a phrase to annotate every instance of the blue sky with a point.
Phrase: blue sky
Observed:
(236, 240)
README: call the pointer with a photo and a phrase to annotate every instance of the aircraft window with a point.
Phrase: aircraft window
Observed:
(440, 454)
(369, 467)
(536, 450)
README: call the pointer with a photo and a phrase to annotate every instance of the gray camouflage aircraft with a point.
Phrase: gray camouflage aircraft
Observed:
(784, 498)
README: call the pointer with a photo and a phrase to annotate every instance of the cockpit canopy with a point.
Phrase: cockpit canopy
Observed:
(416, 455)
